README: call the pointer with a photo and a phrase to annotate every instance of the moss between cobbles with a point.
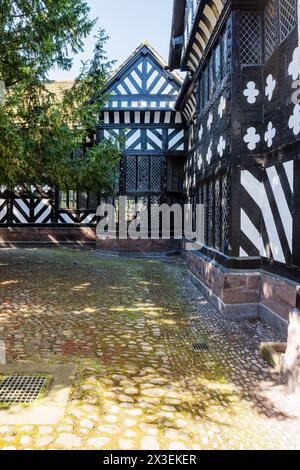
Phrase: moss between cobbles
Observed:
(129, 326)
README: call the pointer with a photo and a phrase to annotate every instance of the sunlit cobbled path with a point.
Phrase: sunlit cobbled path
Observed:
(129, 325)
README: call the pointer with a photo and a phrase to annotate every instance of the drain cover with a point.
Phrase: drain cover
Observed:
(22, 389)
(200, 347)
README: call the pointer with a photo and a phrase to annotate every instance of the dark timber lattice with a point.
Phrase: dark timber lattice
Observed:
(251, 43)
(270, 29)
(287, 17)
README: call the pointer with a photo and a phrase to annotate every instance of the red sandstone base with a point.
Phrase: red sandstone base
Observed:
(44, 236)
(244, 294)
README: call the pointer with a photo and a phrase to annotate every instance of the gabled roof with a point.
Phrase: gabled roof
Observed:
(144, 49)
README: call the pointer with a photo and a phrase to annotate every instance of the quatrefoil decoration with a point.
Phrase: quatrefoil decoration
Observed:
(46, 189)
(294, 67)
(270, 134)
(251, 138)
(221, 146)
(209, 153)
(209, 121)
(294, 121)
(222, 106)
(270, 86)
(251, 92)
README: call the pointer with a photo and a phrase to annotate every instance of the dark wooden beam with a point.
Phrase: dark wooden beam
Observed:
(177, 30)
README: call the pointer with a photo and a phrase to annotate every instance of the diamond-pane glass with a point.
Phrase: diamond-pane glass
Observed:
(225, 191)
(155, 174)
(270, 28)
(218, 214)
(143, 173)
(131, 173)
(251, 43)
(287, 17)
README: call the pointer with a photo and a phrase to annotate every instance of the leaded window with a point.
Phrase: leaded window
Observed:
(155, 174)
(131, 173)
(143, 173)
(211, 191)
(225, 191)
(67, 200)
(213, 72)
(251, 40)
(63, 200)
(287, 17)
(270, 28)
(218, 214)
(213, 194)
(73, 200)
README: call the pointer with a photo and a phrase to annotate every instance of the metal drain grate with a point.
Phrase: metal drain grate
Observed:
(200, 347)
(22, 389)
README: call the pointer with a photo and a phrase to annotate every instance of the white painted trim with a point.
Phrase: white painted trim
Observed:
(252, 233)
(284, 211)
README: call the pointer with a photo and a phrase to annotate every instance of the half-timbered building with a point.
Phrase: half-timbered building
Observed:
(140, 114)
(227, 137)
(242, 61)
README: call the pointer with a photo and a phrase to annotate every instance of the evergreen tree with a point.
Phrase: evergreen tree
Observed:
(38, 129)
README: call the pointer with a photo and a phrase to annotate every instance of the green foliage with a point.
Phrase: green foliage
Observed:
(38, 129)
(36, 35)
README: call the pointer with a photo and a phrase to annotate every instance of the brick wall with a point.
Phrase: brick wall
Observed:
(26, 236)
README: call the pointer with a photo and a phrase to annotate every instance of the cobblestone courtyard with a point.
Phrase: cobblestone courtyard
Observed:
(129, 325)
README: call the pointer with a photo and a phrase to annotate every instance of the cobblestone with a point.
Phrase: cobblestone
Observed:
(129, 325)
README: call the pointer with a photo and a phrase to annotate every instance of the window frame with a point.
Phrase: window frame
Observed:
(150, 190)
(77, 207)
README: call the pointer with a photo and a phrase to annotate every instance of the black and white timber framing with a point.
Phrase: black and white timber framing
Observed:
(140, 111)
(227, 136)
(242, 60)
